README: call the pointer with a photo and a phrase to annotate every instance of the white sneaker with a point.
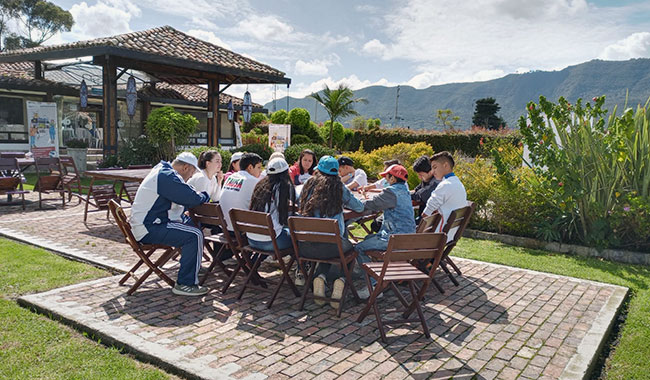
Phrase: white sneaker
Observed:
(364, 294)
(337, 292)
(300, 279)
(319, 289)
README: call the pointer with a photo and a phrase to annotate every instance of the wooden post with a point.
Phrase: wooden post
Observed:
(109, 86)
(38, 70)
(214, 122)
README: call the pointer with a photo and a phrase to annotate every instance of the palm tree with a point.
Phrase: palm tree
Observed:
(337, 103)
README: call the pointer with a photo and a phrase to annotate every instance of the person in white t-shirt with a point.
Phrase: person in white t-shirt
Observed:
(238, 188)
(210, 177)
(351, 177)
(273, 194)
(449, 195)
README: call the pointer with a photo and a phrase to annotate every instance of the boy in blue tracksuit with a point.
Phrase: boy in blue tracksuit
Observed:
(395, 202)
(150, 217)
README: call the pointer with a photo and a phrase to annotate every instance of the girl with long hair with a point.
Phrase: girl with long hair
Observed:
(210, 177)
(273, 195)
(325, 196)
(303, 169)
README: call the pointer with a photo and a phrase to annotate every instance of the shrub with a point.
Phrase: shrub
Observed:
(111, 161)
(263, 150)
(168, 128)
(76, 143)
(279, 117)
(293, 152)
(300, 139)
(225, 154)
(254, 138)
(139, 151)
(257, 119)
(299, 120)
(337, 135)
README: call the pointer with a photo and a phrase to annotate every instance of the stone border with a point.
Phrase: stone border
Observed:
(621, 256)
(74, 254)
(174, 361)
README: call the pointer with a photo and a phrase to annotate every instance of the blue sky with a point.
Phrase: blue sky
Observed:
(410, 42)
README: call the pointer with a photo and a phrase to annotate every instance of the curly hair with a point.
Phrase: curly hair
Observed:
(324, 193)
(266, 191)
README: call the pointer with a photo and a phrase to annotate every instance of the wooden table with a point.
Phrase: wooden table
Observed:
(103, 194)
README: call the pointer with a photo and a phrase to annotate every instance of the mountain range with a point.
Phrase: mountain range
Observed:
(416, 109)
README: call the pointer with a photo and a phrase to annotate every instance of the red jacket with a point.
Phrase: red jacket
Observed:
(294, 173)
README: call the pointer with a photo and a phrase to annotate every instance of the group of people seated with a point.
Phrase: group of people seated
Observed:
(325, 186)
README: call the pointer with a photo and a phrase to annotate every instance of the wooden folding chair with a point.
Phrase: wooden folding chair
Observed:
(10, 183)
(70, 177)
(457, 219)
(48, 170)
(244, 221)
(99, 197)
(395, 267)
(210, 214)
(129, 189)
(319, 230)
(143, 251)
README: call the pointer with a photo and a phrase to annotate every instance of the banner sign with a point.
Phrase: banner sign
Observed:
(43, 129)
(279, 136)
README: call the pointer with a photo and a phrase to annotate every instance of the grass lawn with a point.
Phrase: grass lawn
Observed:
(85, 182)
(35, 347)
(629, 359)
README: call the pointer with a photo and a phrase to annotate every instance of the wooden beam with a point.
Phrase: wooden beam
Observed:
(109, 96)
(213, 113)
(38, 70)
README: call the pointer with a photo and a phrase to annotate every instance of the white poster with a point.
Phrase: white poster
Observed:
(279, 136)
(43, 129)
(238, 142)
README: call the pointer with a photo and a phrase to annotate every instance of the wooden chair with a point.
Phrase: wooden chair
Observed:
(11, 184)
(319, 230)
(244, 221)
(210, 214)
(143, 251)
(458, 219)
(70, 177)
(48, 170)
(129, 189)
(396, 266)
(99, 197)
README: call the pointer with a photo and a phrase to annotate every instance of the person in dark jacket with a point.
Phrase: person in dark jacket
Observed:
(164, 185)
(422, 192)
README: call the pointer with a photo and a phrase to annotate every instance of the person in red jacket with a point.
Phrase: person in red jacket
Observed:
(302, 170)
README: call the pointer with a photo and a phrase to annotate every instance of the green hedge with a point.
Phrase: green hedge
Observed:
(470, 143)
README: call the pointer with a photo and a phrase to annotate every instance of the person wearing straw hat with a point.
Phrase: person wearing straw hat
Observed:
(150, 217)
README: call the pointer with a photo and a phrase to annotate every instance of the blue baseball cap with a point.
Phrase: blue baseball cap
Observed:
(328, 165)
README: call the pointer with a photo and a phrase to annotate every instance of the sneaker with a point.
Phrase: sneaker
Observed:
(364, 294)
(300, 279)
(337, 292)
(189, 290)
(319, 289)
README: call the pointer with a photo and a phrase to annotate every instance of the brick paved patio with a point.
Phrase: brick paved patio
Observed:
(500, 322)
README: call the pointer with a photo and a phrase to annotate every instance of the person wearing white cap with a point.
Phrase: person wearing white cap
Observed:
(151, 223)
(272, 194)
(234, 166)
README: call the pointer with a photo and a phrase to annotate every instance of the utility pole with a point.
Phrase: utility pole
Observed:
(315, 111)
(287, 98)
(275, 87)
(396, 105)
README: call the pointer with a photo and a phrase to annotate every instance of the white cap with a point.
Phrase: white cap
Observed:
(188, 158)
(236, 156)
(276, 155)
(277, 165)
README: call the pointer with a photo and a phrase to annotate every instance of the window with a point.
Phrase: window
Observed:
(12, 120)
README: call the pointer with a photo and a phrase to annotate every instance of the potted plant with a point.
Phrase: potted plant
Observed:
(78, 150)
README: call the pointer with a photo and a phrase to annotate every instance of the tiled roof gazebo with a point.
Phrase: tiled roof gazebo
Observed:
(165, 53)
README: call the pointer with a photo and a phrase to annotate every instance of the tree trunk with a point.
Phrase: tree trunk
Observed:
(331, 131)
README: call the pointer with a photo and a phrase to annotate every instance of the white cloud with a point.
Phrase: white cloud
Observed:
(374, 47)
(264, 28)
(100, 20)
(209, 37)
(314, 67)
(636, 45)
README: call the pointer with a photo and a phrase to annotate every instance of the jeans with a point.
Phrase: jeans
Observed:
(283, 241)
(370, 243)
(313, 250)
(189, 238)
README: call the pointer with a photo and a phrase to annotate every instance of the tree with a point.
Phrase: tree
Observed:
(358, 123)
(40, 21)
(446, 119)
(373, 123)
(169, 128)
(485, 114)
(279, 117)
(337, 103)
(337, 134)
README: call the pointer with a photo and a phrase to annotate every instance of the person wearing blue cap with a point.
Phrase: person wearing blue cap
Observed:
(324, 196)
